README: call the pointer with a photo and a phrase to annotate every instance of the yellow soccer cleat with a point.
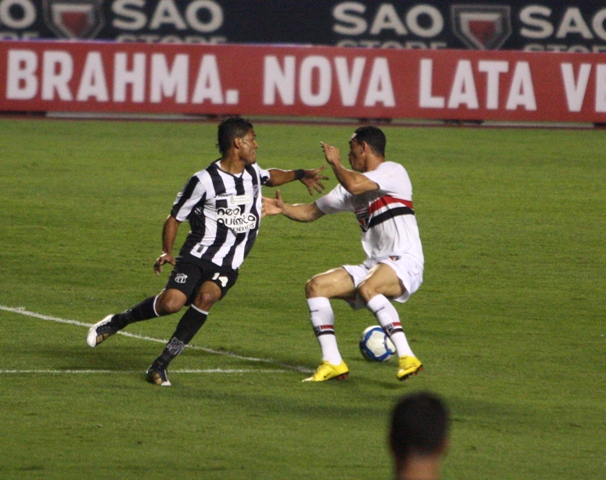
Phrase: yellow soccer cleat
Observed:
(408, 366)
(327, 371)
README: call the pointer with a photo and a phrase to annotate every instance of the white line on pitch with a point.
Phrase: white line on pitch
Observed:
(23, 311)
(182, 370)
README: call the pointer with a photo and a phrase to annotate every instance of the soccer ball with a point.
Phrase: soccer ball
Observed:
(375, 345)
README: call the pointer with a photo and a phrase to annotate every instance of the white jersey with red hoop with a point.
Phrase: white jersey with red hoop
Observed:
(386, 216)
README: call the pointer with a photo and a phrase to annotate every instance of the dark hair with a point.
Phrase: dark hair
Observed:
(419, 424)
(374, 137)
(230, 129)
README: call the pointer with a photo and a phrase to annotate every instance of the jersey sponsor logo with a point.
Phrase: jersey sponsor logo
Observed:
(236, 220)
(240, 200)
(74, 18)
(482, 27)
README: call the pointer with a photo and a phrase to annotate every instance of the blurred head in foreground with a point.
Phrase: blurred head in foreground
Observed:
(418, 436)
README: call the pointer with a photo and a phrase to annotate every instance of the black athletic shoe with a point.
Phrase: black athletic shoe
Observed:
(157, 375)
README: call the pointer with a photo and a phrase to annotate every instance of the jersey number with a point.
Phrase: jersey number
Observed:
(222, 280)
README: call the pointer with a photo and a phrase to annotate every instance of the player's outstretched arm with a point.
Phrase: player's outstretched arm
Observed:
(302, 212)
(312, 179)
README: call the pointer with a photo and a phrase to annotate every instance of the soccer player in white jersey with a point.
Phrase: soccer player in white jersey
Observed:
(379, 192)
(222, 204)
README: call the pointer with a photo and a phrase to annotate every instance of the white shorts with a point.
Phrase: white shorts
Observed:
(407, 268)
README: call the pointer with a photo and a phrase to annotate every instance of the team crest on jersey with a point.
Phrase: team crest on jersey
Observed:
(73, 18)
(363, 217)
(180, 278)
(482, 27)
(236, 219)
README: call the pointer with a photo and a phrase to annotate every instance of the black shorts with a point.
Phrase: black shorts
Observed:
(187, 277)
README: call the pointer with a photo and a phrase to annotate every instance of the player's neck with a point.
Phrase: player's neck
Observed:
(373, 162)
(421, 468)
(232, 164)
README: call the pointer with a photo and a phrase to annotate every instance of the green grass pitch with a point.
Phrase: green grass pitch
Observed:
(510, 322)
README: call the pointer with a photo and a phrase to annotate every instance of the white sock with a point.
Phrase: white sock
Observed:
(323, 320)
(388, 318)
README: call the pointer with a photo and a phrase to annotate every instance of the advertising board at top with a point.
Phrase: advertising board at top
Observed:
(79, 76)
(549, 25)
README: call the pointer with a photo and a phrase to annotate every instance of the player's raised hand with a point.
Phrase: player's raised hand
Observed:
(312, 180)
(332, 154)
(272, 206)
(162, 259)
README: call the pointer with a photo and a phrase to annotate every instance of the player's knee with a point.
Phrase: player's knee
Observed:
(366, 291)
(312, 288)
(168, 307)
(205, 300)
(169, 304)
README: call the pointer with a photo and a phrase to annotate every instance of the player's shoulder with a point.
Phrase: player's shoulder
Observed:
(255, 166)
(387, 169)
(258, 168)
(255, 170)
(211, 169)
(202, 178)
(393, 169)
(388, 165)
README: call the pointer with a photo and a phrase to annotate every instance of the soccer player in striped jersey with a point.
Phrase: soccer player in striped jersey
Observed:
(379, 193)
(222, 204)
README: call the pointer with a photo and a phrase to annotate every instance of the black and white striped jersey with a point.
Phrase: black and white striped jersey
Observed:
(224, 212)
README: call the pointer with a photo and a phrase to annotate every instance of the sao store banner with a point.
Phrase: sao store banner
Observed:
(549, 25)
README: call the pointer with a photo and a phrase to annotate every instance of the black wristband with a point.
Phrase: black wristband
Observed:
(299, 174)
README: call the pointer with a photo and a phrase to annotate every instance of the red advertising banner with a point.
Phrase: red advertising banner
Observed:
(302, 81)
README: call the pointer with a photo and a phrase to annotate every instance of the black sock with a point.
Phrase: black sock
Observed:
(143, 311)
(187, 328)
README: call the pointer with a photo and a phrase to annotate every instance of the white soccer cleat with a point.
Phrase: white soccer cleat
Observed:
(100, 332)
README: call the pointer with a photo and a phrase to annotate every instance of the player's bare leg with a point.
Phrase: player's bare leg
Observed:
(319, 290)
(380, 284)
